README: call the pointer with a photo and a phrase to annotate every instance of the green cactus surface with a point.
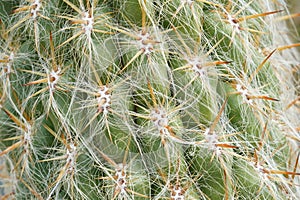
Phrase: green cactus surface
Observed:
(149, 99)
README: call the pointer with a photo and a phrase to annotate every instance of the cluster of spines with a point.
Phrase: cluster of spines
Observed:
(163, 98)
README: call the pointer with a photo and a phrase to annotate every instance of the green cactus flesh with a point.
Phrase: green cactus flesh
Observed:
(148, 99)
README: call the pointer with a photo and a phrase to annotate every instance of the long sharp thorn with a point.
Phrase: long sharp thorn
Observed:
(60, 176)
(226, 197)
(255, 156)
(21, 9)
(213, 126)
(18, 23)
(286, 17)
(44, 17)
(7, 196)
(227, 146)
(293, 102)
(261, 66)
(11, 148)
(123, 31)
(213, 47)
(152, 94)
(261, 143)
(35, 193)
(126, 152)
(15, 119)
(76, 21)
(108, 130)
(116, 192)
(70, 39)
(36, 35)
(295, 167)
(13, 138)
(73, 6)
(33, 72)
(282, 172)
(210, 3)
(101, 31)
(214, 63)
(144, 31)
(53, 159)
(252, 30)
(4, 61)
(44, 80)
(187, 66)
(257, 15)
(52, 53)
(177, 10)
(288, 46)
(136, 193)
(240, 10)
(132, 59)
(263, 97)
(53, 133)
(108, 159)
(187, 49)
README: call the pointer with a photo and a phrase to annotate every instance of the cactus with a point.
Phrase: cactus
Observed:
(147, 99)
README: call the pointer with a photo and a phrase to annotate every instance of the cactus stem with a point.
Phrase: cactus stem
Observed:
(148, 99)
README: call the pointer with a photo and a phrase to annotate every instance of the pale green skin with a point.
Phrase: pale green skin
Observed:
(127, 133)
